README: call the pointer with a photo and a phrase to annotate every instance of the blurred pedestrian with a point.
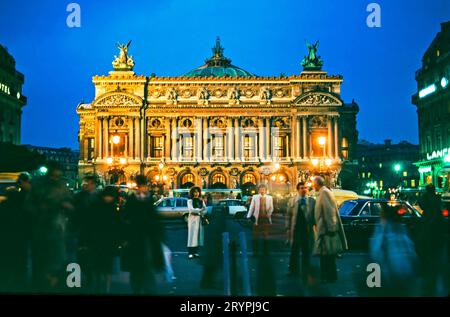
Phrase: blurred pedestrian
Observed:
(52, 204)
(330, 237)
(83, 203)
(393, 250)
(299, 225)
(213, 257)
(197, 209)
(101, 239)
(15, 234)
(432, 240)
(261, 209)
(143, 234)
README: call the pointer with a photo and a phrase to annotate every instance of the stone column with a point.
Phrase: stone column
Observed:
(291, 138)
(205, 133)
(174, 140)
(237, 144)
(100, 139)
(304, 135)
(262, 139)
(336, 138)
(268, 139)
(297, 137)
(167, 139)
(106, 136)
(198, 139)
(131, 137)
(230, 137)
(330, 138)
(138, 137)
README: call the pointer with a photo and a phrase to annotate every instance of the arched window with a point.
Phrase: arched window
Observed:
(218, 180)
(249, 178)
(187, 180)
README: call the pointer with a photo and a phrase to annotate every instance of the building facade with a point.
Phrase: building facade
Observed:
(217, 126)
(11, 98)
(388, 166)
(65, 157)
(433, 109)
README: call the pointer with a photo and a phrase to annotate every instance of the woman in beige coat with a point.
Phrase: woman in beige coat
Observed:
(330, 237)
(197, 209)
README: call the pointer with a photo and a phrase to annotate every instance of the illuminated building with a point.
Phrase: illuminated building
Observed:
(11, 98)
(433, 108)
(217, 126)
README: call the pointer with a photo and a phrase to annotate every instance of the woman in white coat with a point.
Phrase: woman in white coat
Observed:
(197, 209)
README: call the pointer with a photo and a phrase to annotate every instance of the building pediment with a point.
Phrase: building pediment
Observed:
(117, 99)
(317, 99)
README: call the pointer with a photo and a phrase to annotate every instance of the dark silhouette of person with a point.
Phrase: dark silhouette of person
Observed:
(101, 239)
(15, 228)
(143, 255)
(432, 239)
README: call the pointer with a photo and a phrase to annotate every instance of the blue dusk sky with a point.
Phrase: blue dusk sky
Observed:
(171, 37)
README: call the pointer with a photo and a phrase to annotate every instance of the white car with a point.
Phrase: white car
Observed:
(172, 208)
(236, 207)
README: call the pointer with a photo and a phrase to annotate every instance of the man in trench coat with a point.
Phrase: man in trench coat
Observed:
(330, 236)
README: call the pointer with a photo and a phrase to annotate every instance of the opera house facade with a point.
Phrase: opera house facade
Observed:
(217, 126)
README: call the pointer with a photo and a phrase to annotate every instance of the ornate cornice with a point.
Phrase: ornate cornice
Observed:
(315, 98)
(117, 99)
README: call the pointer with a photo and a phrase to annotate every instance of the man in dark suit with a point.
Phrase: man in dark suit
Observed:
(300, 222)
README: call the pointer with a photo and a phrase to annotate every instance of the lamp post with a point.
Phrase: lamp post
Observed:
(322, 142)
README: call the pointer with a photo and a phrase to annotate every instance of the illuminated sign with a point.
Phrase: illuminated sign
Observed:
(427, 90)
(437, 154)
(4, 88)
(424, 169)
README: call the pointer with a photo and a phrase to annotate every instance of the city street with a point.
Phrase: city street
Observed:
(188, 272)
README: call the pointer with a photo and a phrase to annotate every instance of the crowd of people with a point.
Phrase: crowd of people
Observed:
(44, 227)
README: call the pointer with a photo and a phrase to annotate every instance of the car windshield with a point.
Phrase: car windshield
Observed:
(166, 203)
(403, 209)
(347, 207)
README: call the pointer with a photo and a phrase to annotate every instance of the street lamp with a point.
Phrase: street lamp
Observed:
(397, 167)
(123, 160)
(322, 141)
(116, 139)
(109, 160)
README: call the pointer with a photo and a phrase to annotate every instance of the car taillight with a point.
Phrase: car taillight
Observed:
(445, 213)
(401, 211)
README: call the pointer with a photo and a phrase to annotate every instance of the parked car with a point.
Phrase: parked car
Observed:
(173, 208)
(236, 207)
(360, 216)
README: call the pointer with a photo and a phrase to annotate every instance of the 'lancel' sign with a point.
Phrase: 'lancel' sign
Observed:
(4, 88)
(438, 154)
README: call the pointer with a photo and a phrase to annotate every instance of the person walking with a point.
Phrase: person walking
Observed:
(330, 237)
(52, 204)
(15, 227)
(261, 209)
(197, 209)
(143, 235)
(101, 239)
(393, 250)
(432, 239)
(299, 225)
(79, 224)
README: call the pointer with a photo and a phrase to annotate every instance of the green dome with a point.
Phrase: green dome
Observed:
(218, 66)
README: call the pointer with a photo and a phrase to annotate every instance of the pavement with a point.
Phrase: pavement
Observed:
(188, 272)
